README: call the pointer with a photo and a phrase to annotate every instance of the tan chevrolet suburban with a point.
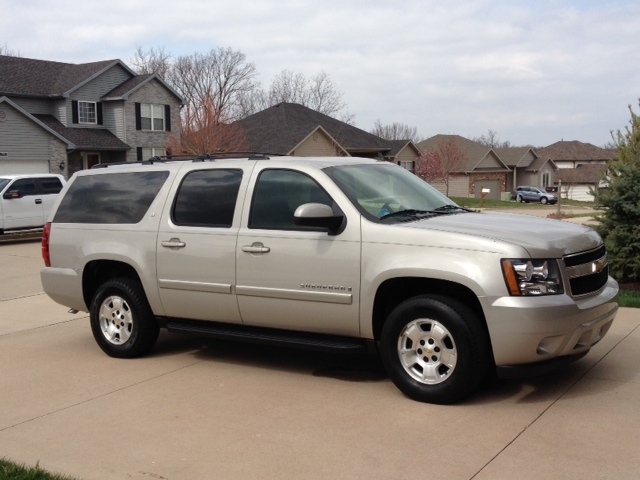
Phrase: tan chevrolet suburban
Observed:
(326, 253)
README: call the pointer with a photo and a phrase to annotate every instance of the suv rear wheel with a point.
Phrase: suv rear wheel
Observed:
(434, 349)
(121, 320)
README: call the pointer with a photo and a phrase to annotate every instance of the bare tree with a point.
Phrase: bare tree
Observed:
(151, 61)
(441, 163)
(491, 140)
(324, 95)
(289, 87)
(202, 132)
(318, 93)
(5, 50)
(251, 102)
(395, 131)
(215, 81)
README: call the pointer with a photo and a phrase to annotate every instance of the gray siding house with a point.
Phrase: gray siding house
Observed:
(60, 117)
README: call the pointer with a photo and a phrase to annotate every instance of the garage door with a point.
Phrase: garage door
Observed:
(23, 166)
(492, 185)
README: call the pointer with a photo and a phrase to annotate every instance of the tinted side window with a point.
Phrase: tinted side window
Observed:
(207, 198)
(277, 195)
(26, 186)
(50, 185)
(110, 198)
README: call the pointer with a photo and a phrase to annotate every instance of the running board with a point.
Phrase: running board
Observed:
(271, 336)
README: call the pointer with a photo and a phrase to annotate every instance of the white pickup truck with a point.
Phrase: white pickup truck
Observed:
(26, 200)
(327, 253)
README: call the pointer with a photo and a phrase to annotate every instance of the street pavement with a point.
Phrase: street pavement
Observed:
(202, 409)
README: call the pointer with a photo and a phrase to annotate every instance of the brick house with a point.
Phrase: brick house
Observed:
(60, 117)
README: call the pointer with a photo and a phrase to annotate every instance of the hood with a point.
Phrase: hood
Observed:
(541, 237)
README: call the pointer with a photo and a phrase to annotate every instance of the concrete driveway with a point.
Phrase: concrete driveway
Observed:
(198, 409)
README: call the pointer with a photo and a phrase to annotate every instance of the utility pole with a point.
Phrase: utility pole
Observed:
(559, 197)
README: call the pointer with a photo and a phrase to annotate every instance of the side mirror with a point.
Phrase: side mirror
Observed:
(12, 194)
(318, 215)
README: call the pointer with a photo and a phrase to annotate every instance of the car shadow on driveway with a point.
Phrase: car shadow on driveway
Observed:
(359, 367)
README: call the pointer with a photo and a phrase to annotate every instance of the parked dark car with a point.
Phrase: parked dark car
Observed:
(533, 194)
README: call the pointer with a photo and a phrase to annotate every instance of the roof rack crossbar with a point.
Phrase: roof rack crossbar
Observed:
(194, 158)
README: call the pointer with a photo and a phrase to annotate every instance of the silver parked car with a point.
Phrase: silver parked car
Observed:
(533, 194)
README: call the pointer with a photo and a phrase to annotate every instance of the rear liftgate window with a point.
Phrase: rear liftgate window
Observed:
(116, 198)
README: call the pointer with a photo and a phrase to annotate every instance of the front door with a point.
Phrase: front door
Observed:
(291, 277)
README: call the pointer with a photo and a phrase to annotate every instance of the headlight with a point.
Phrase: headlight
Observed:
(532, 277)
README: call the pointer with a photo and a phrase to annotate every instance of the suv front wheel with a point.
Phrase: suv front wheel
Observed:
(434, 349)
(122, 322)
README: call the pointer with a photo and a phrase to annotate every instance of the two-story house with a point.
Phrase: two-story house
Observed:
(582, 167)
(61, 117)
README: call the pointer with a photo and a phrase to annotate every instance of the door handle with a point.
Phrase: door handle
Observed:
(173, 243)
(256, 247)
(38, 201)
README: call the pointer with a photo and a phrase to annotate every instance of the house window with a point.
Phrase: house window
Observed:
(149, 152)
(87, 112)
(546, 179)
(152, 117)
(408, 166)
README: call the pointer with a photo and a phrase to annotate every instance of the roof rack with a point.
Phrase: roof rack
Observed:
(193, 157)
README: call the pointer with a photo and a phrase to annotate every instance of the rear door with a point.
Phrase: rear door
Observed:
(50, 188)
(196, 245)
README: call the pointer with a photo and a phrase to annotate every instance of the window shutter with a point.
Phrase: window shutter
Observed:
(99, 112)
(138, 121)
(74, 111)
(139, 153)
(167, 118)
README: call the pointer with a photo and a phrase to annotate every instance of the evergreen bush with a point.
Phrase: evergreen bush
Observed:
(620, 205)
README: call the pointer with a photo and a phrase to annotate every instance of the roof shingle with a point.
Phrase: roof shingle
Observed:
(280, 128)
(42, 78)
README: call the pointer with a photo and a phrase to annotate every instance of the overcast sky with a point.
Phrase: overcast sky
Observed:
(535, 72)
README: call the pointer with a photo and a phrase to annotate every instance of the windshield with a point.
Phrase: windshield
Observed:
(3, 183)
(386, 192)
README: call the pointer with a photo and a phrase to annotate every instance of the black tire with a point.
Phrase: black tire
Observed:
(446, 349)
(122, 322)
(519, 199)
(544, 200)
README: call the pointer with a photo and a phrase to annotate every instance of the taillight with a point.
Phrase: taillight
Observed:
(46, 254)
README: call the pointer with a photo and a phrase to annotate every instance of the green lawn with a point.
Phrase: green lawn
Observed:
(629, 298)
(475, 203)
(13, 471)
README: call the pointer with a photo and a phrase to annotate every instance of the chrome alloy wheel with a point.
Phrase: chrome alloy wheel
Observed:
(427, 351)
(116, 320)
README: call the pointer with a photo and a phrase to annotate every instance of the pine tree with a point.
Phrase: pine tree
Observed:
(620, 203)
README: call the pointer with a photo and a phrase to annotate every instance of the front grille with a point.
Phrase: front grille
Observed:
(585, 257)
(587, 271)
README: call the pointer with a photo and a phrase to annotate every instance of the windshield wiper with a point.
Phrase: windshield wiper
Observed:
(409, 213)
(449, 207)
